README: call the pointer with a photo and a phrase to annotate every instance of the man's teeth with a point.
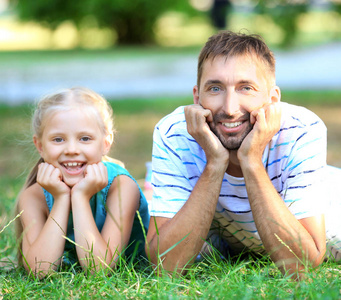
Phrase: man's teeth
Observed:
(72, 164)
(232, 125)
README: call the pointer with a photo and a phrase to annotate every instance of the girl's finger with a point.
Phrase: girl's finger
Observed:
(56, 174)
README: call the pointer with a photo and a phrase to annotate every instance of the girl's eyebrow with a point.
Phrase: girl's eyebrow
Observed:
(53, 133)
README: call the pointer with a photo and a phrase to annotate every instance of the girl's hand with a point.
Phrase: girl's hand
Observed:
(50, 178)
(95, 179)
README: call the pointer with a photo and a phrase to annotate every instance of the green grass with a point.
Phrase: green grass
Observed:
(210, 279)
(312, 97)
(241, 278)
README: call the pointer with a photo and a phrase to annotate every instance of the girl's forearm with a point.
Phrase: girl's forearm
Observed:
(92, 249)
(45, 252)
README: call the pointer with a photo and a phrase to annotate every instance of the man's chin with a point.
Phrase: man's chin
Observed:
(231, 143)
(232, 146)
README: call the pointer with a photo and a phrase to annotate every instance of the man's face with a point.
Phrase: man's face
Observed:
(231, 88)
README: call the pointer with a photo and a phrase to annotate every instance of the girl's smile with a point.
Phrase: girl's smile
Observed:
(74, 168)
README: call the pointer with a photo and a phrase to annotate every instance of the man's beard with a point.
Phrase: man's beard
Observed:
(231, 141)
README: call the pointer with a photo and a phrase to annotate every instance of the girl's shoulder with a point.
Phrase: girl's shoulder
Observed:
(115, 180)
(34, 191)
(124, 187)
(115, 170)
(32, 198)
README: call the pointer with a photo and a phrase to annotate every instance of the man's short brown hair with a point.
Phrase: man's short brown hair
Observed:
(228, 44)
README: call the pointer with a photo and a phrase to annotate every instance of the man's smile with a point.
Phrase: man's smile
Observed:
(232, 125)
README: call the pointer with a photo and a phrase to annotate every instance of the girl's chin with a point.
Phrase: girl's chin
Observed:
(71, 182)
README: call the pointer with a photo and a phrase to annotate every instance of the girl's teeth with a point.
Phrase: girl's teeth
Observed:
(72, 164)
(232, 125)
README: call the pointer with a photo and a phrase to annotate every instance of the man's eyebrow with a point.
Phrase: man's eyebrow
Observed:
(251, 82)
(212, 81)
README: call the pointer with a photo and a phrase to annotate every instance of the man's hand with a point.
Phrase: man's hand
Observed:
(267, 122)
(198, 119)
(95, 179)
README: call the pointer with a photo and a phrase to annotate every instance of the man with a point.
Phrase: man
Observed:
(238, 161)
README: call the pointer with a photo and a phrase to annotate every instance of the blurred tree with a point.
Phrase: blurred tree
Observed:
(220, 13)
(133, 21)
(285, 14)
(336, 5)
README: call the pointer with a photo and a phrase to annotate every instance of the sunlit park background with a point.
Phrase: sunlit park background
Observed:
(141, 55)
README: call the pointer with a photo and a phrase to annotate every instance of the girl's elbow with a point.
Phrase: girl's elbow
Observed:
(39, 270)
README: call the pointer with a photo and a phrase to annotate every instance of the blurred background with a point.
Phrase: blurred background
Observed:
(142, 56)
(146, 48)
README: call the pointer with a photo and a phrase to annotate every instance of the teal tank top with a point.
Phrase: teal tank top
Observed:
(135, 247)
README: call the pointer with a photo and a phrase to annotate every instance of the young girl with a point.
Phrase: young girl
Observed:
(75, 191)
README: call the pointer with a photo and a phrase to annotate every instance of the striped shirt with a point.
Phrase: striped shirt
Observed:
(294, 160)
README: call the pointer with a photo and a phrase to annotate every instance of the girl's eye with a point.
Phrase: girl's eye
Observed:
(85, 139)
(58, 140)
(246, 88)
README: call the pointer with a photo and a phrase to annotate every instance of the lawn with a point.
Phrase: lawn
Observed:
(239, 278)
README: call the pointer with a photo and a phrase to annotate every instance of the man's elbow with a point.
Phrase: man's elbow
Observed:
(319, 257)
(165, 264)
(299, 267)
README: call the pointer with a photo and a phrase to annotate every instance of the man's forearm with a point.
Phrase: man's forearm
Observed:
(289, 244)
(193, 221)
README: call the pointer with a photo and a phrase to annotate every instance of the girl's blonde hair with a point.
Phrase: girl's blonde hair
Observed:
(61, 101)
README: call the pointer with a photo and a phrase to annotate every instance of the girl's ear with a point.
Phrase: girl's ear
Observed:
(107, 143)
(38, 145)
(275, 94)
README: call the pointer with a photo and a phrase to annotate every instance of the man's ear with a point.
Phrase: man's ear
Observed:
(38, 145)
(275, 94)
(196, 94)
(107, 143)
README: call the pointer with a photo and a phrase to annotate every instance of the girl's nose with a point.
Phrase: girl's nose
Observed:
(71, 148)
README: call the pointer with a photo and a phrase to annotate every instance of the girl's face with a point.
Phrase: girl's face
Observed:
(71, 140)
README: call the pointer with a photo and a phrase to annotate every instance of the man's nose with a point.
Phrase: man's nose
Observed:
(231, 103)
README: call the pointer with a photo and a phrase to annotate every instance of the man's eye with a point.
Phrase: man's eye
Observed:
(215, 89)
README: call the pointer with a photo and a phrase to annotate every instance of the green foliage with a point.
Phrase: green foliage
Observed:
(336, 6)
(133, 21)
(285, 14)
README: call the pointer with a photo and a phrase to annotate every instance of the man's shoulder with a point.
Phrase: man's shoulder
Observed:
(298, 117)
(173, 122)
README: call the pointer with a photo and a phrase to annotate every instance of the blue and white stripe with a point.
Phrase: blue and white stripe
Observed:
(294, 159)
